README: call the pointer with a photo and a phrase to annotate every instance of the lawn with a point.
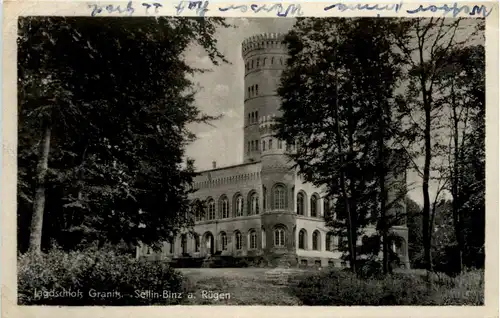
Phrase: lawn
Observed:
(239, 286)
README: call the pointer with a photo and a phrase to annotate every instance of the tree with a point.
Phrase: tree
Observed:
(427, 44)
(111, 102)
(336, 103)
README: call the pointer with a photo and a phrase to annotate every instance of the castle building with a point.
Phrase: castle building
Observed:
(261, 207)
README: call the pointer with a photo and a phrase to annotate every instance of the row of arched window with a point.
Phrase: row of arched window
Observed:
(303, 243)
(253, 146)
(238, 240)
(253, 91)
(253, 117)
(223, 207)
(278, 202)
(255, 63)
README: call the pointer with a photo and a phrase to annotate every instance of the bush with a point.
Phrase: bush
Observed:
(95, 277)
(343, 288)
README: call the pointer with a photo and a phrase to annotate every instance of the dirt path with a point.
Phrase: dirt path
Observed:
(237, 286)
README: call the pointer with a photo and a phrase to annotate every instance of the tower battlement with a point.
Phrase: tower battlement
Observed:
(263, 41)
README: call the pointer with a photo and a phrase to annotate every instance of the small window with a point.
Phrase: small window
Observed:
(253, 89)
(253, 239)
(172, 244)
(256, 89)
(270, 144)
(258, 62)
(252, 64)
(239, 241)
(196, 243)
(248, 91)
(223, 241)
(249, 148)
(272, 60)
(263, 145)
(280, 144)
(257, 115)
(257, 145)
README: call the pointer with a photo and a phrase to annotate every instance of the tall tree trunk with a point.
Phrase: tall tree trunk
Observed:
(457, 220)
(39, 202)
(351, 244)
(383, 197)
(426, 226)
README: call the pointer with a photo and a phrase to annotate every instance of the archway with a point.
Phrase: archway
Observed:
(209, 243)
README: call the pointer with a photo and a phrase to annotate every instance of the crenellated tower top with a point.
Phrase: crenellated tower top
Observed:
(263, 41)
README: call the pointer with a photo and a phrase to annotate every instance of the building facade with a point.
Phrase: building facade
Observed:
(261, 207)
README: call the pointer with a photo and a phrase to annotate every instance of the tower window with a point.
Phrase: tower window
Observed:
(252, 64)
(249, 146)
(263, 145)
(258, 61)
(252, 90)
(272, 60)
(264, 61)
(270, 144)
(257, 115)
(257, 145)
(279, 237)
(279, 197)
(256, 89)
(248, 91)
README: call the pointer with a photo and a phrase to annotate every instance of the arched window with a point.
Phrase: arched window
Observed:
(316, 241)
(263, 238)
(224, 207)
(249, 96)
(238, 206)
(257, 145)
(172, 245)
(280, 144)
(211, 209)
(302, 239)
(279, 197)
(326, 207)
(263, 145)
(238, 240)
(270, 143)
(252, 89)
(184, 243)
(252, 238)
(301, 204)
(256, 89)
(330, 245)
(314, 206)
(258, 62)
(279, 237)
(223, 241)
(257, 115)
(196, 243)
(264, 61)
(254, 204)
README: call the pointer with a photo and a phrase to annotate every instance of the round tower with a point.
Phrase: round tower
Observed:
(265, 58)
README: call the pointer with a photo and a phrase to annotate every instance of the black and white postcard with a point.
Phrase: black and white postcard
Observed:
(192, 157)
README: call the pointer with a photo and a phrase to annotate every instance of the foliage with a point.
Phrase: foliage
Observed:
(342, 288)
(90, 271)
(117, 98)
(337, 95)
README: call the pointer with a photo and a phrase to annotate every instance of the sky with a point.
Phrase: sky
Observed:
(221, 93)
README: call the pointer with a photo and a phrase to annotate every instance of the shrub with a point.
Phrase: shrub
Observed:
(95, 277)
(343, 288)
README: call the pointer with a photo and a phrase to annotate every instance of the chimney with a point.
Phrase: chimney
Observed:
(214, 164)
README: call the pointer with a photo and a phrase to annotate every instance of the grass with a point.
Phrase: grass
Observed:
(263, 286)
